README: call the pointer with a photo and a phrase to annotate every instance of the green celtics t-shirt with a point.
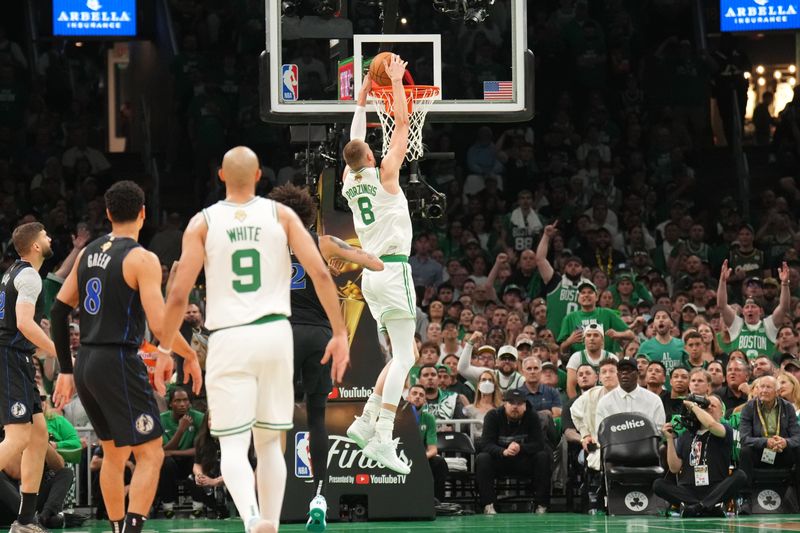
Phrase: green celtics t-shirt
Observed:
(427, 428)
(580, 319)
(753, 339)
(562, 299)
(670, 355)
(170, 426)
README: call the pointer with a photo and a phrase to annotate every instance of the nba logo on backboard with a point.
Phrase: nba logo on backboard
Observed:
(302, 456)
(289, 83)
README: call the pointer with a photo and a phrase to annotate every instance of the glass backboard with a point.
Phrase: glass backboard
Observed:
(318, 50)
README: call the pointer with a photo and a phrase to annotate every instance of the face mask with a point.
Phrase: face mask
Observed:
(486, 387)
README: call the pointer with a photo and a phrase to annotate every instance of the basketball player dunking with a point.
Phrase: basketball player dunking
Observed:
(117, 283)
(383, 225)
(245, 242)
(312, 331)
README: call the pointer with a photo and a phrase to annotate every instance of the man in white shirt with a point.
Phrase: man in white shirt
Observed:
(584, 411)
(629, 397)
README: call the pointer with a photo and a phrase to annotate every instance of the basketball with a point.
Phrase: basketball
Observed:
(377, 70)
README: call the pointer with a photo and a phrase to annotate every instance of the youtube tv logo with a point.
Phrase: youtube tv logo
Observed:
(362, 479)
(334, 393)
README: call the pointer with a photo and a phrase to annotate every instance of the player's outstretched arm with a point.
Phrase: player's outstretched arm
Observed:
(66, 300)
(305, 250)
(398, 145)
(335, 248)
(147, 271)
(183, 279)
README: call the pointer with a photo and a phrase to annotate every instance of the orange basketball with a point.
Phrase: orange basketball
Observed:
(377, 70)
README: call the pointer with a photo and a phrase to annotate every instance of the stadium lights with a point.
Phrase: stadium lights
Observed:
(761, 82)
(792, 82)
(760, 69)
(403, 21)
(792, 69)
(747, 75)
(777, 74)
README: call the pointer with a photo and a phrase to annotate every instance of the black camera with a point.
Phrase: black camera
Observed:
(687, 419)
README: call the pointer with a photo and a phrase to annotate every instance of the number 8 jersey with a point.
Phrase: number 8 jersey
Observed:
(381, 220)
(111, 311)
(247, 266)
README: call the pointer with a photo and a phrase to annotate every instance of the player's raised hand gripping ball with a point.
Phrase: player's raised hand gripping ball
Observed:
(377, 69)
(395, 68)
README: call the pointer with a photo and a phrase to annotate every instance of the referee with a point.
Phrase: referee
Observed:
(312, 331)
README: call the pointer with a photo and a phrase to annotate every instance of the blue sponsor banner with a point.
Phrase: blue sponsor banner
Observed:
(761, 15)
(92, 18)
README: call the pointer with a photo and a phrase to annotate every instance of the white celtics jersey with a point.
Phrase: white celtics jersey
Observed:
(381, 220)
(247, 264)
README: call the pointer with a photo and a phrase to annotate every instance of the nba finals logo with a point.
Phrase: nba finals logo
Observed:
(302, 456)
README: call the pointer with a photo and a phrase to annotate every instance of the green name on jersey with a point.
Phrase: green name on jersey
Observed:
(361, 188)
(244, 233)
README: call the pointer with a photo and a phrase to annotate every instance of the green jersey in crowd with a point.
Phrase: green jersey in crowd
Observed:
(427, 427)
(752, 339)
(562, 299)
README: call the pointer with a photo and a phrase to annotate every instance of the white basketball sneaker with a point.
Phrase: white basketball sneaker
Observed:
(386, 454)
(360, 431)
(316, 514)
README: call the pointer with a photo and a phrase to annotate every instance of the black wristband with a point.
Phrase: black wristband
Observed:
(59, 331)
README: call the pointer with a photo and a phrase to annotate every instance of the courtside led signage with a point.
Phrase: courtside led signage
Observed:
(94, 18)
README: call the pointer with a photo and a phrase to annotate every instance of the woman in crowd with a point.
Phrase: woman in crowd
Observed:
(435, 312)
(487, 397)
(206, 470)
(711, 348)
(789, 389)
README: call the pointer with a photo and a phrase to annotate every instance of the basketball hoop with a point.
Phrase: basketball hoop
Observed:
(418, 99)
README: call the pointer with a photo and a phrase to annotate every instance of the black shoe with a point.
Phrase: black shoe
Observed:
(691, 511)
(718, 511)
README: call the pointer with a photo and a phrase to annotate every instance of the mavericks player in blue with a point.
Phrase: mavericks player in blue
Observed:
(312, 331)
(117, 283)
(20, 335)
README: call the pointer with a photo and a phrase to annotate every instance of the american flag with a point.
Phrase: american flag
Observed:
(498, 90)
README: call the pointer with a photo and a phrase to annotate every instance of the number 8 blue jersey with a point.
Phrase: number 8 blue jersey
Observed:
(111, 311)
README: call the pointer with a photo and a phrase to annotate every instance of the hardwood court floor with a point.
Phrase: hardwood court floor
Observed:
(502, 523)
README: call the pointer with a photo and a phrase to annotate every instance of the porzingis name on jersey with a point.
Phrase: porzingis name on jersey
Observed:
(244, 233)
(98, 260)
(359, 189)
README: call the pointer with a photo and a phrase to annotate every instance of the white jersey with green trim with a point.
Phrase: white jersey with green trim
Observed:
(247, 266)
(381, 220)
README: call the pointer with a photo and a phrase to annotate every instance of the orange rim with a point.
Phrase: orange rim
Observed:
(385, 93)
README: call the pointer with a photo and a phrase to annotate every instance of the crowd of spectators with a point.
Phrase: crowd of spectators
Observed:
(571, 246)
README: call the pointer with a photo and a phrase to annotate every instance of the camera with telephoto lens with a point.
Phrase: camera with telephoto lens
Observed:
(687, 419)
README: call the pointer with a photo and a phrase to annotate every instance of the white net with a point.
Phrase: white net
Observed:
(418, 99)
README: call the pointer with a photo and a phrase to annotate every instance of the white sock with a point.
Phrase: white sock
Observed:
(373, 407)
(271, 473)
(239, 477)
(385, 425)
(401, 333)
